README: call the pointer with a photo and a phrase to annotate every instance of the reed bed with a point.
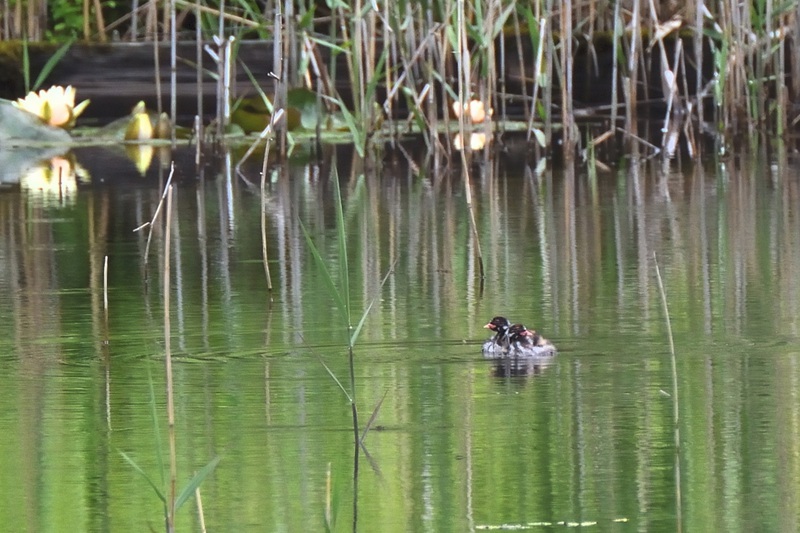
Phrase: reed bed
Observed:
(727, 69)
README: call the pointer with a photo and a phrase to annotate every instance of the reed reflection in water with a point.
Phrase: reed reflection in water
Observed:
(464, 445)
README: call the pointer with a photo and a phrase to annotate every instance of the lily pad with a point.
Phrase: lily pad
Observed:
(18, 126)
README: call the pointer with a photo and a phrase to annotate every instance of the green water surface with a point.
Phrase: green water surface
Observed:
(460, 444)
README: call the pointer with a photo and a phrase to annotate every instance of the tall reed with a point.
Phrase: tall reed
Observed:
(172, 499)
(675, 402)
(341, 296)
(464, 83)
(173, 456)
(339, 289)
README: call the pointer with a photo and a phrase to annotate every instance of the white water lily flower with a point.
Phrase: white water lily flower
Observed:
(474, 110)
(54, 106)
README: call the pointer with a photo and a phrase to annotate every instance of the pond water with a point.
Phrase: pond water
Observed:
(460, 443)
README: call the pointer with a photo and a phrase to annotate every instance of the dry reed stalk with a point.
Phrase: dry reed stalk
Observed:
(104, 344)
(134, 14)
(779, 67)
(200, 514)
(19, 22)
(736, 95)
(793, 26)
(173, 459)
(265, 134)
(165, 20)
(105, 287)
(655, 150)
(221, 125)
(618, 30)
(441, 62)
(389, 41)
(173, 71)
(699, 6)
(278, 74)
(335, 15)
(87, 31)
(156, 60)
(567, 115)
(352, 66)
(371, 54)
(359, 58)
(688, 123)
(198, 37)
(537, 74)
(633, 72)
(100, 21)
(275, 118)
(433, 65)
(151, 22)
(198, 147)
(289, 46)
(547, 97)
(225, 67)
(155, 216)
(35, 15)
(463, 63)
(219, 13)
(488, 68)
(328, 513)
(526, 111)
(762, 53)
(675, 403)
(669, 86)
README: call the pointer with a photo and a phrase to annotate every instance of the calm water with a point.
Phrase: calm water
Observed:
(461, 444)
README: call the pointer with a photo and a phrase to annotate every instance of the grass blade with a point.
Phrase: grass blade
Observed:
(51, 63)
(195, 482)
(331, 374)
(146, 477)
(341, 235)
(373, 417)
(257, 87)
(156, 427)
(26, 66)
(326, 275)
(359, 137)
(357, 330)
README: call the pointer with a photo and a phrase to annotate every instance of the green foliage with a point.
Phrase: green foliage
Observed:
(67, 19)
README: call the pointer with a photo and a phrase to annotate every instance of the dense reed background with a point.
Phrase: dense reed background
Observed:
(542, 63)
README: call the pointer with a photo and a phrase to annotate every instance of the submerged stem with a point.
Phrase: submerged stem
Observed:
(675, 403)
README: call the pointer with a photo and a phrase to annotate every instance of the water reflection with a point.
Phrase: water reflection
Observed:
(465, 443)
(521, 367)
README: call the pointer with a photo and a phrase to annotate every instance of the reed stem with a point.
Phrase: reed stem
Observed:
(105, 286)
(173, 461)
(675, 402)
(462, 53)
(156, 60)
(173, 71)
